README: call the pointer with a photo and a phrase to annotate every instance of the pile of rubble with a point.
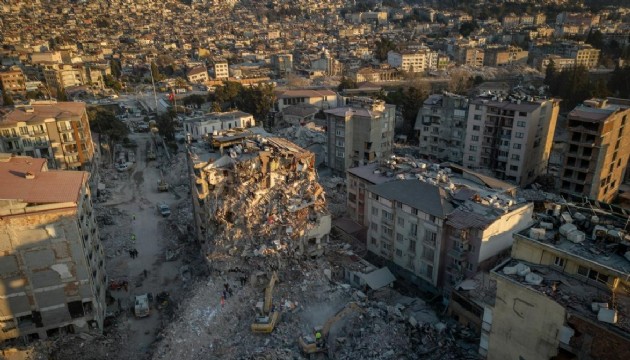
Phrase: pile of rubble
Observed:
(309, 136)
(262, 201)
(335, 195)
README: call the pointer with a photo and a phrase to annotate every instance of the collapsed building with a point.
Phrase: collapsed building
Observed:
(256, 196)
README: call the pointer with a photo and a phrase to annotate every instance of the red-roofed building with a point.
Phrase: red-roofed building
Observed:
(52, 261)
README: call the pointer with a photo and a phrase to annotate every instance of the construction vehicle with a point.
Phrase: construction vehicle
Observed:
(266, 321)
(310, 345)
(141, 306)
(162, 185)
(150, 151)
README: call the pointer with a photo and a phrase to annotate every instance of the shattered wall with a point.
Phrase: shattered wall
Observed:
(262, 201)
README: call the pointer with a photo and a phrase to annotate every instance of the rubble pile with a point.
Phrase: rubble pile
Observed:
(335, 195)
(114, 229)
(309, 136)
(260, 201)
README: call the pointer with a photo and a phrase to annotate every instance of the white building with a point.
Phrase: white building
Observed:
(221, 70)
(416, 61)
(511, 139)
(197, 128)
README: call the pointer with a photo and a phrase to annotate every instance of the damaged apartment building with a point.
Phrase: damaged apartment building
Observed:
(565, 292)
(257, 196)
(52, 263)
(434, 225)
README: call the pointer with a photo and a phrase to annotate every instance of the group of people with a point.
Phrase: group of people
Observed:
(133, 253)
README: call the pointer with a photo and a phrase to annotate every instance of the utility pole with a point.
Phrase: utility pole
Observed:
(157, 110)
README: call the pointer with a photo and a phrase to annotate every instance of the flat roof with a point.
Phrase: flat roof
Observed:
(417, 194)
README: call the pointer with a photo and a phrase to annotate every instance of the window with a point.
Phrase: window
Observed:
(472, 148)
(374, 210)
(387, 215)
(414, 230)
(470, 267)
(475, 128)
(374, 226)
(516, 146)
(519, 135)
(412, 246)
(399, 237)
(401, 221)
(471, 158)
(373, 240)
(582, 270)
(398, 253)
(474, 138)
(516, 157)
(558, 261)
(513, 167)
(520, 123)
(388, 231)
(522, 113)
(477, 117)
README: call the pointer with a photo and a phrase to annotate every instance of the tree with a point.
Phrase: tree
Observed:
(112, 83)
(115, 67)
(166, 126)
(461, 81)
(550, 73)
(595, 38)
(7, 99)
(346, 83)
(61, 94)
(383, 46)
(155, 72)
(619, 83)
(466, 28)
(104, 121)
(216, 107)
(195, 99)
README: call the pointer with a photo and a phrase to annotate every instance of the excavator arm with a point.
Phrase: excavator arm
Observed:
(269, 293)
(339, 315)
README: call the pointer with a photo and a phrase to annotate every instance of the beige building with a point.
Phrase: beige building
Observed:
(221, 70)
(503, 56)
(510, 138)
(470, 56)
(585, 55)
(13, 80)
(52, 261)
(413, 61)
(56, 131)
(564, 294)
(359, 133)
(598, 149)
(61, 76)
(198, 74)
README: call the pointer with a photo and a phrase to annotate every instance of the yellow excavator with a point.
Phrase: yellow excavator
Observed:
(267, 320)
(318, 342)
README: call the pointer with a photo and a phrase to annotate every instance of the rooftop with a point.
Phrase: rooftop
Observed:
(44, 187)
(577, 297)
(39, 112)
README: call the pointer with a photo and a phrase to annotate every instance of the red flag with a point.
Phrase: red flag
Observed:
(171, 96)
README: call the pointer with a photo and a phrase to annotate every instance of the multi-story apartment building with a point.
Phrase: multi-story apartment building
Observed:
(413, 61)
(510, 138)
(598, 150)
(282, 64)
(565, 292)
(56, 131)
(585, 55)
(13, 80)
(470, 56)
(359, 133)
(503, 56)
(441, 127)
(559, 63)
(52, 259)
(198, 74)
(439, 227)
(61, 76)
(221, 70)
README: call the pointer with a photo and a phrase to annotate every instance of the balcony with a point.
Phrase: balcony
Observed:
(458, 253)
(65, 129)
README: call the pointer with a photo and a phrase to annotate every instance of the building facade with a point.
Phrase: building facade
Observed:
(56, 131)
(441, 127)
(221, 70)
(598, 150)
(511, 139)
(52, 261)
(13, 80)
(199, 127)
(413, 61)
(359, 133)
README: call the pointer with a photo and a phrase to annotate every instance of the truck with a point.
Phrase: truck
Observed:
(141, 308)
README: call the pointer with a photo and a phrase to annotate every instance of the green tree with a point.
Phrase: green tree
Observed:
(7, 99)
(216, 107)
(346, 83)
(157, 76)
(104, 121)
(550, 73)
(595, 38)
(383, 46)
(61, 94)
(619, 83)
(112, 83)
(466, 28)
(194, 99)
(166, 126)
(115, 67)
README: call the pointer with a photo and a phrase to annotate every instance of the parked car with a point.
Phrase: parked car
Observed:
(163, 209)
